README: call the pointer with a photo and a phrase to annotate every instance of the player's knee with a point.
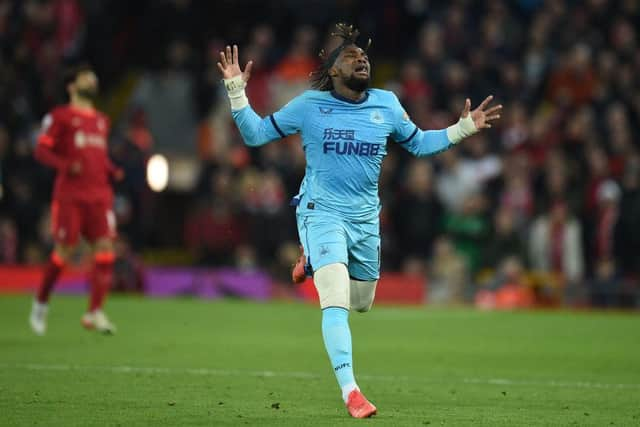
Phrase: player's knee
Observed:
(64, 252)
(332, 284)
(363, 307)
(103, 245)
(363, 294)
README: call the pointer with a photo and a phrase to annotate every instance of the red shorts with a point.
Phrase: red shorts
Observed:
(71, 219)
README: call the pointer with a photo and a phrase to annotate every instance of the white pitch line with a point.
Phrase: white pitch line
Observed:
(311, 375)
(552, 383)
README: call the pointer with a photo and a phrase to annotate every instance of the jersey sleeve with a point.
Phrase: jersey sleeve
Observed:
(288, 120)
(257, 131)
(413, 139)
(403, 127)
(51, 129)
(48, 140)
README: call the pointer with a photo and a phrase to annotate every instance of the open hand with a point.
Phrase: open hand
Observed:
(482, 116)
(230, 66)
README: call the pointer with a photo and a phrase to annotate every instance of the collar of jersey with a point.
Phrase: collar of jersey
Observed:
(83, 111)
(336, 95)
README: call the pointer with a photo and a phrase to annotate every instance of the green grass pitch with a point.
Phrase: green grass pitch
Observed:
(189, 362)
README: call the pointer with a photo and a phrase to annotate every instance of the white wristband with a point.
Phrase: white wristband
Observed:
(464, 128)
(235, 90)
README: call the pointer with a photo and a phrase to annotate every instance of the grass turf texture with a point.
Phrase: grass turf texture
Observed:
(190, 362)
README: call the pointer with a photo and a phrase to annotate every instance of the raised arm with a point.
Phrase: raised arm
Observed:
(254, 129)
(425, 143)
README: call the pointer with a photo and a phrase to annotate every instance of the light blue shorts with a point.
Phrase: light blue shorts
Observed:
(329, 239)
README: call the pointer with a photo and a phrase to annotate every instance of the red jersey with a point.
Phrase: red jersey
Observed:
(72, 135)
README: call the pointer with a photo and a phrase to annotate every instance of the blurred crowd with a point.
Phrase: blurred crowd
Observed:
(542, 209)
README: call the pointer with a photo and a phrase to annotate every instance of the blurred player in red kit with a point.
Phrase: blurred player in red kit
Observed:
(73, 141)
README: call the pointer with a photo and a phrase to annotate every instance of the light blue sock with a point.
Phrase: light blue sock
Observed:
(337, 341)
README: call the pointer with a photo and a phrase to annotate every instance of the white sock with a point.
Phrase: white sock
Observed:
(348, 389)
(39, 308)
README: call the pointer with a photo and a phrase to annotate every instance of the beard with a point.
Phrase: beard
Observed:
(357, 84)
(90, 93)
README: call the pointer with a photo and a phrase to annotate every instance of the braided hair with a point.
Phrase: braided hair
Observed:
(320, 79)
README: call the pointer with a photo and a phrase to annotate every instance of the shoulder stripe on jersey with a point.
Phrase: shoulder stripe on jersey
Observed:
(275, 125)
(410, 138)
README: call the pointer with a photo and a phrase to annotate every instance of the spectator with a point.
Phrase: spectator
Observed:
(291, 74)
(509, 289)
(575, 82)
(485, 166)
(516, 194)
(455, 182)
(557, 186)
(165, 96)
(419, 214)
(128, 269)
(469, 230)
(627, 244)
(448, 274)
(605, 288)
(213, 232)
(8, 242)
(602, 248)
(506, 241)
(555, 246)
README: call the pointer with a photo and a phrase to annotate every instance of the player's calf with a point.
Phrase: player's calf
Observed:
(101, 278)
(40, 307)
(52, 271)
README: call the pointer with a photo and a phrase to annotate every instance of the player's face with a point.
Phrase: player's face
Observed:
(86, 84)
(353, 68)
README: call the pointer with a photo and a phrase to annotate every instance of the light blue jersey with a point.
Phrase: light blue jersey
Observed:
(344, 143)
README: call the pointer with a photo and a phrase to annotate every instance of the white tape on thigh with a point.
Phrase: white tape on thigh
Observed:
(362, 295)
(332, 284)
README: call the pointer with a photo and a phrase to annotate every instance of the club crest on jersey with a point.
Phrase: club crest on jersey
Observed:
(324, 110)
(376, 117)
